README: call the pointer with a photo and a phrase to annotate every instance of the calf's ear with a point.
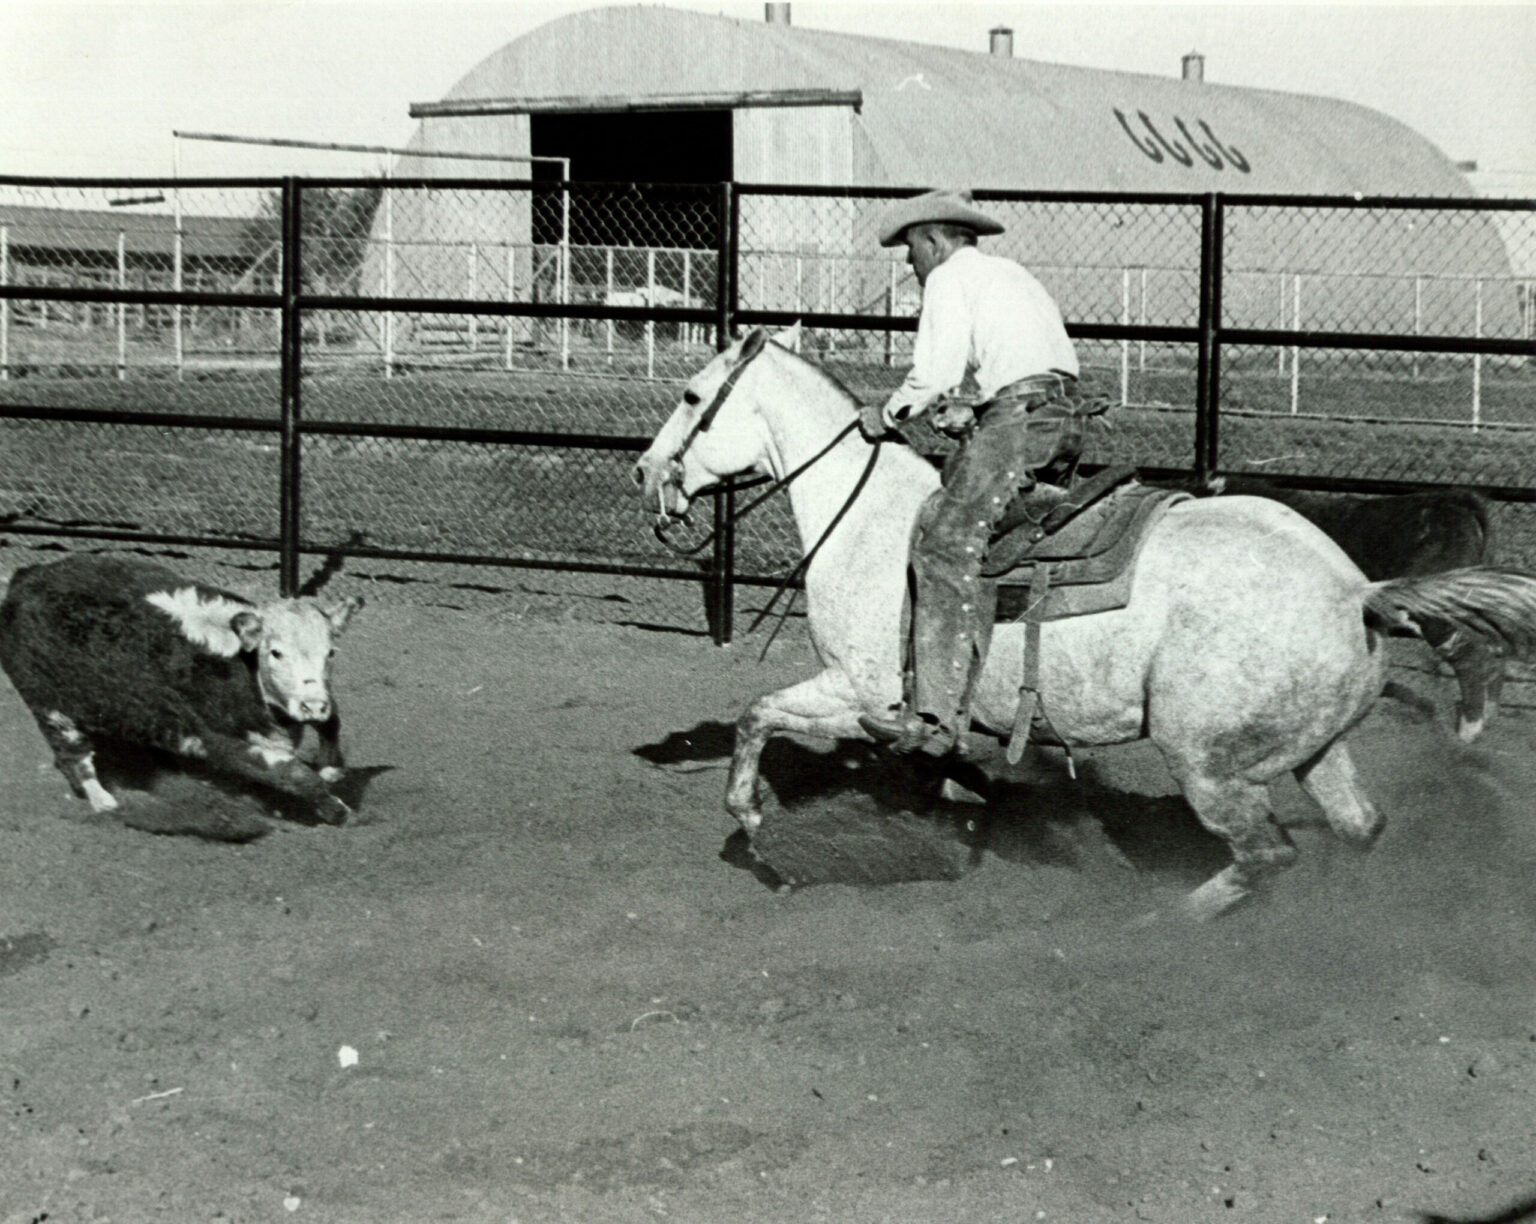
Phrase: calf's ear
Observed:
(247, 627)
(340, 613)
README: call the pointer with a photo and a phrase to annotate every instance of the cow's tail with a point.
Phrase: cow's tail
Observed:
(1491, 602)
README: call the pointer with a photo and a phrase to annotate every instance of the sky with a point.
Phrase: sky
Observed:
(97, 89)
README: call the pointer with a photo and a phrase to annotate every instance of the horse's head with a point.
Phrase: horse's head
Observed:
(714, 432)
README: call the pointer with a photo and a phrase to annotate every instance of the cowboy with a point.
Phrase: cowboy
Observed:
(986, 315)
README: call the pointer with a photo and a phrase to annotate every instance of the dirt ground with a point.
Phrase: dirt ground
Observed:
(569, 997)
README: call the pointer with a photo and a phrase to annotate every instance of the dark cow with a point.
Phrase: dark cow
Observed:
(119, 649)
(1406, 536)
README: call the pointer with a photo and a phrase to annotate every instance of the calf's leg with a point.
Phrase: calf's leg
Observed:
(1480, 673)
(75, 758)
(270, 762)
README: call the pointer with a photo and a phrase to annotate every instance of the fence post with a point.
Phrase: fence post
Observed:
(1142, 355)
(1477, 358)
(1280, 353)
(1125, 345)
(565, 262)
(292, 331)
(650, 301)
(890, 312)
(5, 303)
(389, 277)
(607, 297)
(177, 284)
(122, 307)
(1296, 348)
(1208, 370)
(511, 297)
(719, 588)
(1418, 318)
(472, 291)
(684, 330)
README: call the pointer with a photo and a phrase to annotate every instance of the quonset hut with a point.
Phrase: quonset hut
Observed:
(650, 94)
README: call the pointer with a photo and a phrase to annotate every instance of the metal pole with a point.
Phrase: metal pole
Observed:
(830, 264)
(607, 295)
(565, 263)
(176, 283)
(1280, 354)
(683, 329)
(1418, 318)
(1208, 369)
(389, 277)
(890, 311)
(650, 300)
(5, 303)
(122, 307)
(472, 290)
(511, 297)
(1296, 349)
(1125, 345)
(719, 587)
(292, 329)
(1142, 360)
(1477, 358)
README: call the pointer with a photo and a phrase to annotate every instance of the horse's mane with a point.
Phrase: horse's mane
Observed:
(826, 375)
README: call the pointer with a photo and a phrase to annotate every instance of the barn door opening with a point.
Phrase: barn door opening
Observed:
(655, 229)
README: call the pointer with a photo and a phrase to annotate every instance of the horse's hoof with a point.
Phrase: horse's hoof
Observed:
(1217, 896)
(749, 818)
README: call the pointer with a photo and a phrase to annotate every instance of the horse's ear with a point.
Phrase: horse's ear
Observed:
(789, 338)
(753, 344)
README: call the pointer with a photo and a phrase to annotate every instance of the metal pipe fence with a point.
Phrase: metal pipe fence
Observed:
(461, 370)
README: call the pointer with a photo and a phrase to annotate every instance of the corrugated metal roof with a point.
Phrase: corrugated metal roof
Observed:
(935, 115)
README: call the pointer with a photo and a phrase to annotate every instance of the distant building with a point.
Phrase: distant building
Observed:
(651, 94)
(105, 248)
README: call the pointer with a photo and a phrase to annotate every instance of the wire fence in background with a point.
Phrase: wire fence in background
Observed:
(460, 372)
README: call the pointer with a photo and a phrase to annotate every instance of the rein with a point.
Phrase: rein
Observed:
(680, 550)
(706, 419)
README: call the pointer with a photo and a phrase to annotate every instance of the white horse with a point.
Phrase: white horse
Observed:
(1250, 644)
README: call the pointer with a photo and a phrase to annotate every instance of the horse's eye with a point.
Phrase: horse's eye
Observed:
(691, 397)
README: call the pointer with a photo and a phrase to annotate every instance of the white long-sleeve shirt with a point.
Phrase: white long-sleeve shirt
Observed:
(981, 313)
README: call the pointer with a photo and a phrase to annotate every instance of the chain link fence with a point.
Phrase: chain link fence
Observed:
(481, 360)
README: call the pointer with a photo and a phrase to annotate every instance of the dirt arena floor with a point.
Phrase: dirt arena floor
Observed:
(540, 981)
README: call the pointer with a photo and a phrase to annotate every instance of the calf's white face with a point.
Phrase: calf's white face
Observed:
(294, 641)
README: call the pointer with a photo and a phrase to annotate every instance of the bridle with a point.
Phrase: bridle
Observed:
(675, 463)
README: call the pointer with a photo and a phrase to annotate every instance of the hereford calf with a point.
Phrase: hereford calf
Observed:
(1404, 536)
(121, 649)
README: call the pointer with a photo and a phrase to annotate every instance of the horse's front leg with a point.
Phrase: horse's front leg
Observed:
(825, 705)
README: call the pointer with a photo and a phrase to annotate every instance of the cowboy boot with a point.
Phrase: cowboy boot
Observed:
(945, 632)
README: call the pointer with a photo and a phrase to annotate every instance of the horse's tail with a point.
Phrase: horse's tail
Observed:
(1491, 602)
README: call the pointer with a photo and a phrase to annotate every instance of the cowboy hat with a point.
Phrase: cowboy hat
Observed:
(950, 207)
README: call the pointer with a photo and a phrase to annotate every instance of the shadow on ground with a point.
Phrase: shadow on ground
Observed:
(854, 814)
(159, 793)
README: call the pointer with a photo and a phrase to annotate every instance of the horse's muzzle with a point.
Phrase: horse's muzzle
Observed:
(660, 486)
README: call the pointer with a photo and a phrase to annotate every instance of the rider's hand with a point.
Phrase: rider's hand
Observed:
(872, 422)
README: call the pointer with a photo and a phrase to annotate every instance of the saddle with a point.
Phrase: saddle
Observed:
(1079, 546)
(1060, 552)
